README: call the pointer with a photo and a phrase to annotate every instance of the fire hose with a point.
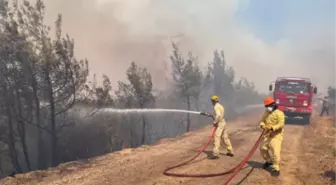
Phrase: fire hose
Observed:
(234, 170)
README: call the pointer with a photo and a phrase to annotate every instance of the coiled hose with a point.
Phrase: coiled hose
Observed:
(234, 170)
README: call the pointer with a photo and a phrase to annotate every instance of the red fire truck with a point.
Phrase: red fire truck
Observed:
(294, 96)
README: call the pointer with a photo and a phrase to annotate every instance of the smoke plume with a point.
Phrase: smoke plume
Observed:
(113, 33)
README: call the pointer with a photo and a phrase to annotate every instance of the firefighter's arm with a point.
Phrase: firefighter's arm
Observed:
(217, 115)
(281, 121)
(263, 119)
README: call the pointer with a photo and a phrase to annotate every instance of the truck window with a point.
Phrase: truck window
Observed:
(292, 87)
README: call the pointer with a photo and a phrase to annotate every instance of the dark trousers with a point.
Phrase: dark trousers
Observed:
(325, 110)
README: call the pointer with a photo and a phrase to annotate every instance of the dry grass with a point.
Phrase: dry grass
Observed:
(318, 154)
(308, 158)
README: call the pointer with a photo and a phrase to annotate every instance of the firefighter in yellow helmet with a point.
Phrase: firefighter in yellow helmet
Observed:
(221, 130)
(272, 121)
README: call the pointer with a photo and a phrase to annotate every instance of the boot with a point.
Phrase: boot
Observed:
(266, 165)
(213, 157)
(230, 153)
(275, 172)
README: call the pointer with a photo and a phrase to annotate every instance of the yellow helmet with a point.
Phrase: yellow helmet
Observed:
(214, 98)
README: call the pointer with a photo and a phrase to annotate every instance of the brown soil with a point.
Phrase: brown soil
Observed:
(308, 157)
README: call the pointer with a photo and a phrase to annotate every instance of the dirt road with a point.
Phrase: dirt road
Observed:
(308, 157)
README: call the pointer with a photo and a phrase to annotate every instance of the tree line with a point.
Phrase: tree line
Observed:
(45, 88)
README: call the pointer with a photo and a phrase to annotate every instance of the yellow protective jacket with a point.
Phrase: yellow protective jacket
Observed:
(219, 114)
(277, 121)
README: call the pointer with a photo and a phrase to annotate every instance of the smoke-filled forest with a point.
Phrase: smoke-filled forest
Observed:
(52, 112)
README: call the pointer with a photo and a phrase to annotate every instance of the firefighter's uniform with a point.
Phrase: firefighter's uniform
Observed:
(325, 106)
(221, 130)
(270, 148)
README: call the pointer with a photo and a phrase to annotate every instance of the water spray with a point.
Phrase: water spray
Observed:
(126, 111)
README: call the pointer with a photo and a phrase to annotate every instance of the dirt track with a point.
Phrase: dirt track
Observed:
(307, 157)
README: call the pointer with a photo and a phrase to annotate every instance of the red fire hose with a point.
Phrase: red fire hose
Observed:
(246, 158)
(234, 170)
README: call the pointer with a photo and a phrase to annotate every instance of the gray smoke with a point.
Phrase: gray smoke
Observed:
(112, 33)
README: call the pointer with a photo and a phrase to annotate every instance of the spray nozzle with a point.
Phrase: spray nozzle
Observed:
(206, 114)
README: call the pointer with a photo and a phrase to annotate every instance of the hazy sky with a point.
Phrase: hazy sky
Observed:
(272, 20)
(262, 39)
(306, 28)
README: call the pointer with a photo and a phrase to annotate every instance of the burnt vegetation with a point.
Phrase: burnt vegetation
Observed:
(50, 111)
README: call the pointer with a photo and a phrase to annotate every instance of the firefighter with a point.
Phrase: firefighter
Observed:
(325, 106)
(272, 121)
(221, 130)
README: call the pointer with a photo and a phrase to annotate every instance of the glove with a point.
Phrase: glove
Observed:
(262, 125)
(265, 127)
(214, 124)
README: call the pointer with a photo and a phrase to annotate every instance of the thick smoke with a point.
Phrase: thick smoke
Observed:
(112, 33)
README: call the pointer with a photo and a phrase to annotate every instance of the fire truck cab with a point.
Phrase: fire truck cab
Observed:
(294, 96)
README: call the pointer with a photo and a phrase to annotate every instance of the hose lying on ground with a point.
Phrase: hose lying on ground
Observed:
(246, 158)
(234, 170)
